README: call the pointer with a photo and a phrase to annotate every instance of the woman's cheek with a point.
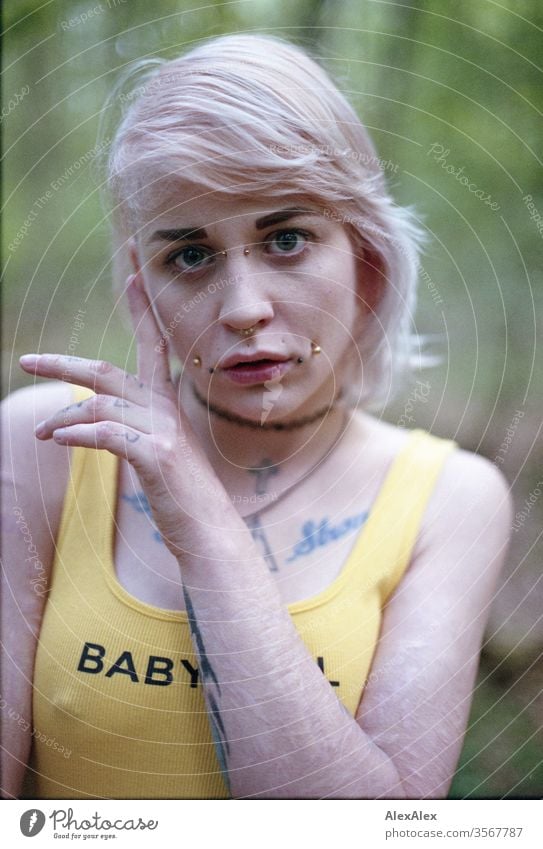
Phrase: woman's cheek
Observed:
(171, 317)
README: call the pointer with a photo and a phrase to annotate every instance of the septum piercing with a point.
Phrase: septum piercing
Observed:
(247, 331)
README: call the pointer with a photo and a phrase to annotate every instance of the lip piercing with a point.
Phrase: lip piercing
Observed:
(196, 361)
(315, 349)
(300, 360)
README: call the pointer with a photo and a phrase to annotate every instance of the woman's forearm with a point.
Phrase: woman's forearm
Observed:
(279, 729)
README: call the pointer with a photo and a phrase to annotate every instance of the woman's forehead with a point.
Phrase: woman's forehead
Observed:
(196, 209)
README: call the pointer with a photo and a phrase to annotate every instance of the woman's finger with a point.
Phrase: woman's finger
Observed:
(153, 363)
(125, 442)
(95, 409)
(102, 377)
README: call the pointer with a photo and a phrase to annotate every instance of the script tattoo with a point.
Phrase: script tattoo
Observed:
(263, 474)
(315, 534)
(208, 677)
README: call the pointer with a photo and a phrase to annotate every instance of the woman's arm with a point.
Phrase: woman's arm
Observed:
(417, 700)
(34, 478)
(279, 728)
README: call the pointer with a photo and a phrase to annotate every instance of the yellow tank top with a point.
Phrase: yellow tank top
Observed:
(118, 706)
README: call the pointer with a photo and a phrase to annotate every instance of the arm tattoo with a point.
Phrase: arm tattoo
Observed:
(208, 676)
(206, 669)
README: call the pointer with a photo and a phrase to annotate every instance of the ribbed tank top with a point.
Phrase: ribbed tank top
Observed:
(118, 710)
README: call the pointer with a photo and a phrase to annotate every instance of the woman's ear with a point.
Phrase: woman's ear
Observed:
(133, 253)
(370, 275)
(371, 280)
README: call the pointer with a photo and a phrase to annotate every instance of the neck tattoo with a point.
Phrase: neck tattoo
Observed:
(239, 420)
(263, 473)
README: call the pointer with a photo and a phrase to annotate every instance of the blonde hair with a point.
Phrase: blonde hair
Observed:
(255, 116)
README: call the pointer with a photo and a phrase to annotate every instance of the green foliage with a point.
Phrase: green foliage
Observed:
(461, 77)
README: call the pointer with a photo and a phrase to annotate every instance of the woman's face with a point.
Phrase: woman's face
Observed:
(296, 286)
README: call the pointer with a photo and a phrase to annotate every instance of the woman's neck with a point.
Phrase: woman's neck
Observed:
(246, 456)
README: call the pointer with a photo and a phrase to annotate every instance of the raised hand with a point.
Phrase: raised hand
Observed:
(135, 417)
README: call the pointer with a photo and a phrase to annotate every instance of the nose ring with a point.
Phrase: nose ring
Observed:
(247, 331)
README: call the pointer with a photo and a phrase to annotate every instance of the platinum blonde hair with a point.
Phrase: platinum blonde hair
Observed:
(255, 116)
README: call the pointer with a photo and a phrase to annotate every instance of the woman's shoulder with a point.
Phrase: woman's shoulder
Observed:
(35, 473)
(466, 522)
(27, 406)
(465, 480)
(468, 469)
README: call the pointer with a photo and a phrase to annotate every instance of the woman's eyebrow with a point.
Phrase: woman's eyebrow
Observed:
(282, 215)
(178, 235)
(182, 234)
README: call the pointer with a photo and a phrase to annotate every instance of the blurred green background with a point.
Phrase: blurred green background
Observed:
(441, 86)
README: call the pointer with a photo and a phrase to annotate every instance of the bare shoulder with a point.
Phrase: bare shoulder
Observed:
(34, 479)
(34, 474)
(473, 497)
(471, 494)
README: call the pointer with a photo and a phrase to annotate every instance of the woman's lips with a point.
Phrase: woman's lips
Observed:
(258, 371)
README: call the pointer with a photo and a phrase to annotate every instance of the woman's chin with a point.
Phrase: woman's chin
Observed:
(274, 407)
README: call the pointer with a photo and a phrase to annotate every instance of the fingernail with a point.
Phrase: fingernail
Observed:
(60, 435)
(29, 360)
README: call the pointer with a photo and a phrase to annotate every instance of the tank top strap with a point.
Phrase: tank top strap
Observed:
(89, 503)
(391, 530)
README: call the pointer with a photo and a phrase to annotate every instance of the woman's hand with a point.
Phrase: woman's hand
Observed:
(137, 418)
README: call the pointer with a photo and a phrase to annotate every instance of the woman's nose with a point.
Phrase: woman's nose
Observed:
(245, 304)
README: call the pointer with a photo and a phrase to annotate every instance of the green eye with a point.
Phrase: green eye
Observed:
(288, 241)
(190, 257)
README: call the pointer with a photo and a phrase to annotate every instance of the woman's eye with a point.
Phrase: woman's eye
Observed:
(190, 258)
(287, 241)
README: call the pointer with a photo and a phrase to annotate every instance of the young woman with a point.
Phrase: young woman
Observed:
(249, 585)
